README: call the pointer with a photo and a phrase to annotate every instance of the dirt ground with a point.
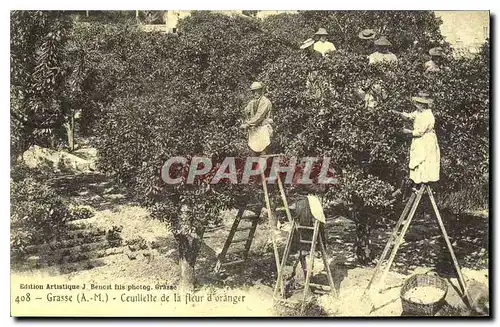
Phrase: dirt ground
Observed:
(156, 262)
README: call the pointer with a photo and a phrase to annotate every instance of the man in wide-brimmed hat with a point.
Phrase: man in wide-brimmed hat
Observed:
(368, 35)
(322, 45)
(382, 52)
(258, 120)
(434, 65)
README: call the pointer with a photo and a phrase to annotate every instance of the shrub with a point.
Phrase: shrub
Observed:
(37, 212)
(366, 145)
(183, 95)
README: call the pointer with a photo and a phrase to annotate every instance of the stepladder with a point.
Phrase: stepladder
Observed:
(301, 235)
(239, 235)
(397, 238)
(235, 237)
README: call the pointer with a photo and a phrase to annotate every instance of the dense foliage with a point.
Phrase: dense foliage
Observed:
(38, 213)
(37, 78)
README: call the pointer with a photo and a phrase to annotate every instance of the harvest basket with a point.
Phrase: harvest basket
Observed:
(425, 309)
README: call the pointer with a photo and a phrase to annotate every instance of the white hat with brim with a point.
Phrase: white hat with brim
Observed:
(421, 100)
(436, 52)
(383, 41)
(367, 34)
(321, 31)
(256, 86)
(316, 208)
(307, 43)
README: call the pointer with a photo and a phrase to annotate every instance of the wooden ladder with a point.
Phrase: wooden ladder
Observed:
(255, 219)
(316, 238)
(397, 237)
(240, 238)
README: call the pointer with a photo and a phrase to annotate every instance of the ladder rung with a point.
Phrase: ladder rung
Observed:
(243, 228)
(238, 240)
(230, 263)
(305, 227)
(323, 287)
(306, 242)
(249, 217)
(255, 204)
(270, 155)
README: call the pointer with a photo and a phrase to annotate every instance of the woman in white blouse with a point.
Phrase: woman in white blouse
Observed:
(424, 152)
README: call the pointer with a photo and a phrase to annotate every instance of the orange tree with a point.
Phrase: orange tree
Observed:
(182, 95)
(367, 147)
(37, 80)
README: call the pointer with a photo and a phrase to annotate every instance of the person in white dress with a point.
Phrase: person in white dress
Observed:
(322, 45)
(382, 53)
(424, 152)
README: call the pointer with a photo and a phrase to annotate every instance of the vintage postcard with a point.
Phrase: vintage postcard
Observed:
(249, 163)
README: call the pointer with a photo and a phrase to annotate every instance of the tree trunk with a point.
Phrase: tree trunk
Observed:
(70, 131)
(189, 246)
(53, 140)
(363, 230)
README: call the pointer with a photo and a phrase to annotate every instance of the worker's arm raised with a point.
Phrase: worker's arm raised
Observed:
(404, 114)
(260, 115)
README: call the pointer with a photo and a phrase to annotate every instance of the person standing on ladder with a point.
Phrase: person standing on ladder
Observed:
(424, 151)
(258, 113)
(424, 168)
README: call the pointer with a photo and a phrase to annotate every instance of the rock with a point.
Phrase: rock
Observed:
(75, 163)
(154, 244)
(37, 156)
(480, 297)
(33, 261)
(87, 153)
(342, 221)
(132, 256)
(170, 252)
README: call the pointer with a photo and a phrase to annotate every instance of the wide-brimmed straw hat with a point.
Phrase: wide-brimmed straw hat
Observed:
(256, 86)
(307, 43)
(367, 34)
(437, 52)
(383, 41)
(422, 98)
(321, 31)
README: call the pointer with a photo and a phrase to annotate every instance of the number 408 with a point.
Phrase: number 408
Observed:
(23, 298)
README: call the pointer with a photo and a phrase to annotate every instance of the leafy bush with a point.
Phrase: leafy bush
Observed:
(37, 51)
(366, 145)
(183, 95)
(37, 212)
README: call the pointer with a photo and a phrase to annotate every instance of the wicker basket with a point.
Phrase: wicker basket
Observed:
(423, 309)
